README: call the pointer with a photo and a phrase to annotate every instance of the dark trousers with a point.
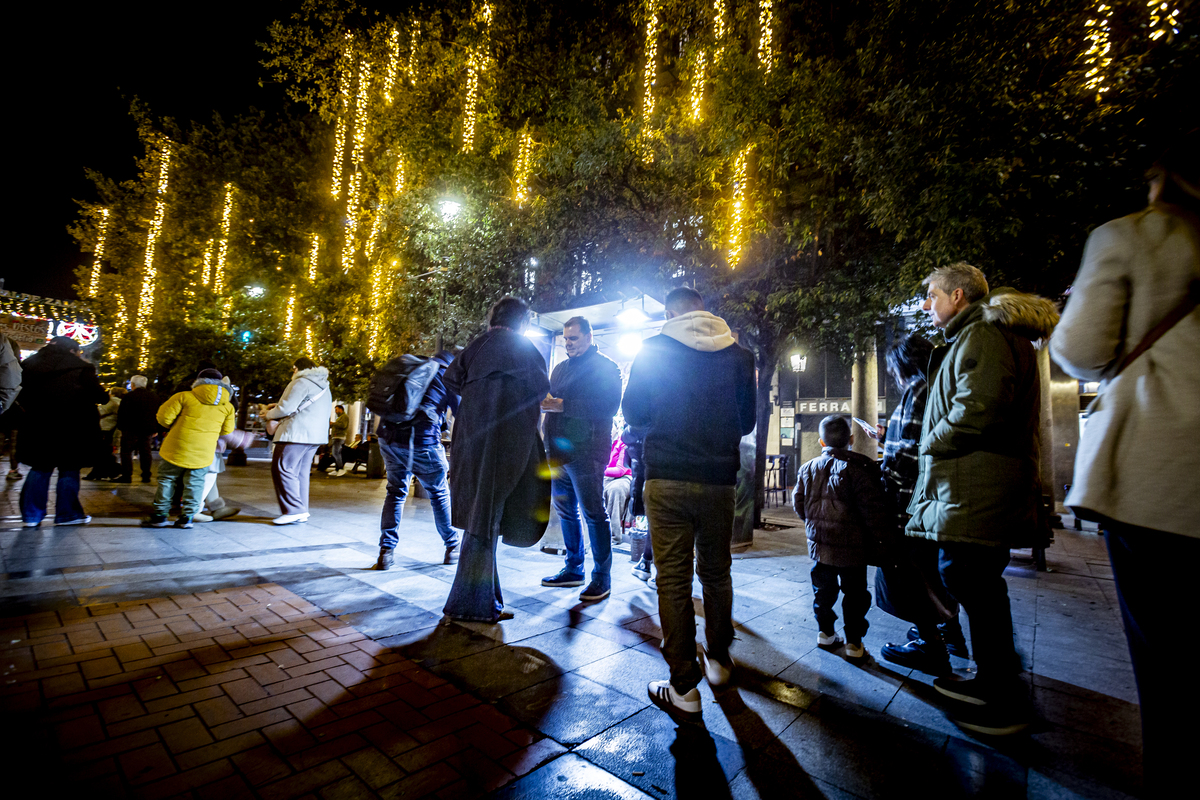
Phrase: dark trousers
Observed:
(685, 518)
(141, 443)
(35, 494)
(575, 486)
(1153, 572)
(856, 600)
(974, 575)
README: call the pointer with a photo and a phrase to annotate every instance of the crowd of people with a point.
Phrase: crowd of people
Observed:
(959, 484)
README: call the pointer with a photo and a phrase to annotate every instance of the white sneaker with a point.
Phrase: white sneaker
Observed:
(828, 639)
(30, 524)
(684, 707)
(339, 472)
(81, 521)
(718, 674)
(198, 517)
(855, 650)
(288, 519)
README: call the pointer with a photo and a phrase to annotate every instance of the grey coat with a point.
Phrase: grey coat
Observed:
(1137, 461)
(304, 409)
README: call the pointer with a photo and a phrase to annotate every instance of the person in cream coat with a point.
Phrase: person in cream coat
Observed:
(303, 425)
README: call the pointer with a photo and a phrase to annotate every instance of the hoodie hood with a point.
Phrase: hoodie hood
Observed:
(211, 391)
(1026, 315)
(699, 330)
(318, 375)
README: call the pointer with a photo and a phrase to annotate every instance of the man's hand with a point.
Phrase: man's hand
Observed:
(552, 404)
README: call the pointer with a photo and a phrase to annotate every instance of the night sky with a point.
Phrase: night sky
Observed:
(75, 68)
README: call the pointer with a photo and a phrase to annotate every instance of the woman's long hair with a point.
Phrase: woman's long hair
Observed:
(909, 358)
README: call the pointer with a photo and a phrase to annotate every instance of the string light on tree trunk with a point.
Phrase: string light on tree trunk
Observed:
(223, 244)
(354, 192)
(291, 315)
(339, 132)
(737, 234)
(401, 180)
(414, 40)
(524, 167)
(393, 64)
(313, 252)
(206, 275)
(698, 80)
(650, 69)
(376, 303)
(766, 36)
(101, 234)
(1098, 60)
(476, 64)
(1164, 19)
(720, 29)
(150, 275)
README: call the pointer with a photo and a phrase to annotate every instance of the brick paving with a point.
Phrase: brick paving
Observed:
(245, 692)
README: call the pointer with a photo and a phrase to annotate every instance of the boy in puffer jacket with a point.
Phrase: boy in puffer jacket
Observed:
(196, 419)
(839, 495)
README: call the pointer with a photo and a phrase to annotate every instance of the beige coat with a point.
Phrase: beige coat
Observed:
(1138, 459)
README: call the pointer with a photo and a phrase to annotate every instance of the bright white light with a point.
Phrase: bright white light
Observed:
(630, 344)
(255, 291)
(799, 362)
(533, 262)
(533, 333)
(630, 317)
(449, 209)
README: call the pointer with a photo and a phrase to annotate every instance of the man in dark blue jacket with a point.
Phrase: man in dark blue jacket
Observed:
(585, 394)
(415, 448)
(692, 389)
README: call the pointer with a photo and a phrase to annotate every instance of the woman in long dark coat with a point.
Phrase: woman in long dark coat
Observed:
(499, 478)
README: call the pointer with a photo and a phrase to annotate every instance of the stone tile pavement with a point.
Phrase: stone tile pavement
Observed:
(242, 659)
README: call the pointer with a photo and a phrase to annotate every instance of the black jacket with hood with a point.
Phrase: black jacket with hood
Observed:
(61, 426)
(590, 388)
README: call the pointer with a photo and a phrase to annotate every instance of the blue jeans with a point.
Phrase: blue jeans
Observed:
(335, 450)
(577, 485)
(36, 492)
(429, 465)
(192, 481)
(974, 575)
(475, 595)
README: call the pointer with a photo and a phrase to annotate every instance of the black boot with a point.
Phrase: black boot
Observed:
(929, 657)
(952, 635)
(386, 559)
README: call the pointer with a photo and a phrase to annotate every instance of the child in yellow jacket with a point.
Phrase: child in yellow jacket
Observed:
(196, 419)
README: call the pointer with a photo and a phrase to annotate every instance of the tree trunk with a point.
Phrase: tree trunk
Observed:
(864, 395)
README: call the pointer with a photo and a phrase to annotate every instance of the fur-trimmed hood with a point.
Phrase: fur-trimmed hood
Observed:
(1026, 315)
(211, 391)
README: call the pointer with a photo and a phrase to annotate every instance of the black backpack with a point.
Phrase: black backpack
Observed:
(398, 388)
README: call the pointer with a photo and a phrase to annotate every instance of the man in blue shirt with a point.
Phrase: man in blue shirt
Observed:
(415, 448)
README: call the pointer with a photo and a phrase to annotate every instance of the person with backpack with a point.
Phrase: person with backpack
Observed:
(299, 423)
(410, 441)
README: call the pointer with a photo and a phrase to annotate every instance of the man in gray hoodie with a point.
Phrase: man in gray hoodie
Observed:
(692, 390)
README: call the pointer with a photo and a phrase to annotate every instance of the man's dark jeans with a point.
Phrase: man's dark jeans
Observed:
(129, 443)
(577, 485)
(1153, 572)
(856, 600)
(35, 494)
(430, 467)
(974, 575)
(686, 517)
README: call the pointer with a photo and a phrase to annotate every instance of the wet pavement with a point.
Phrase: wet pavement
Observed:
(242, 659)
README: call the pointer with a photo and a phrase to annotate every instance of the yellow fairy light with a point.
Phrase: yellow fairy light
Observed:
(351, 226)
(414, 39)
(312, 258)
(766, 23)
(308, 342)
(206, 275)
(401, 178)
(1099, 47)
(698, 80)
(354, 192)
(375, 224)
(99, 252)
(1164, 17)
(650, 70)
(737, 216)
(376, 304)
(720, 29)
(291, 315)
(339, 133)
(476, 63)
(150, 276)
(393, 60)
(223, 245)
(524, 166)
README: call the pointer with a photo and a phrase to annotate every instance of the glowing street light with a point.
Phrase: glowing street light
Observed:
(630, 317)
(799, 362)
(449, 209)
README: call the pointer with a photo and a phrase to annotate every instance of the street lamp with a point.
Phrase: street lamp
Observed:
(799, 363)
(449, 209)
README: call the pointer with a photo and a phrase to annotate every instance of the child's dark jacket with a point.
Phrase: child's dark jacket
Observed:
(839, 495)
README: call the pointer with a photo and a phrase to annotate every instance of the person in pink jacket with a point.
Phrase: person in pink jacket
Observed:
(618, 484)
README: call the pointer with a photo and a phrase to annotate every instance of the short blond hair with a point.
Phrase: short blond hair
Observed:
(959, 275)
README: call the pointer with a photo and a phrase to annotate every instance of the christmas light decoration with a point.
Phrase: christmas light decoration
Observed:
(99, 253)
(719, 28)
(312, 258)
(351, 226)
(354, 192)
(393, 61)
(476, 63)
(206, 270)
(81, 333)
(401, 180)
(1164, 18)
(698, 80)
(766, 45)
(308, 342)
(376, 303)
(339, 133)
(291, 315)
(1098, 59)
(150, 275)
(650, 70)
(737, 217)
(414, 39)
(524, 166)
(223, 245)
(376, 222)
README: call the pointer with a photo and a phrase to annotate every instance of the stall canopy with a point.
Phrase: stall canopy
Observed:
(618, 327)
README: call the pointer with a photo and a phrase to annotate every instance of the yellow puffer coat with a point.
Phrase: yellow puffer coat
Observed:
(196, 420)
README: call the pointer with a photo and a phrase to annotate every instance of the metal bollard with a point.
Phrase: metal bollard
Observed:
(375, 467)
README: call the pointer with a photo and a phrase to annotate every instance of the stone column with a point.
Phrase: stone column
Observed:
(864, 394)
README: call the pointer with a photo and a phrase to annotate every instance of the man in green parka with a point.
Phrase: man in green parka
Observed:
(979, 487)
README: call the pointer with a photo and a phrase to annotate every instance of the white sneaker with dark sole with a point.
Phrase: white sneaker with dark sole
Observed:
(683, 708)
(80, 521)
(828, 639)
(855, 650)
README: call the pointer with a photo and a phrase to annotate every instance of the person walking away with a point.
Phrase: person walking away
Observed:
(498, 470)
(337, 438)
(303, 425)
(585, 395)
(106, 465)
(414, 447)
(979, 486)
(195, 419)
(136, 422)
(59, 395)
(908, 585)
(10, 387)
(692, 389)
(839, 495)
(1131, 322)
(617, 486)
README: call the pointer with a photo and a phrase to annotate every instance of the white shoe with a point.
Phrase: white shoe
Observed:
(288, 519)
(198, 517)
(685, 707)
(340, 472)
(828, 640)
(81, 521)
(718, 674)
(855, 650)
(30, 524)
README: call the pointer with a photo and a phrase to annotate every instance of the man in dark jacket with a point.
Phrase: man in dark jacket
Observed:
(692, 390)
(839, 495)
(978, 486)
(585, 394)
(497, 475)
(59, 393)
(136, 422)
(415, 448)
